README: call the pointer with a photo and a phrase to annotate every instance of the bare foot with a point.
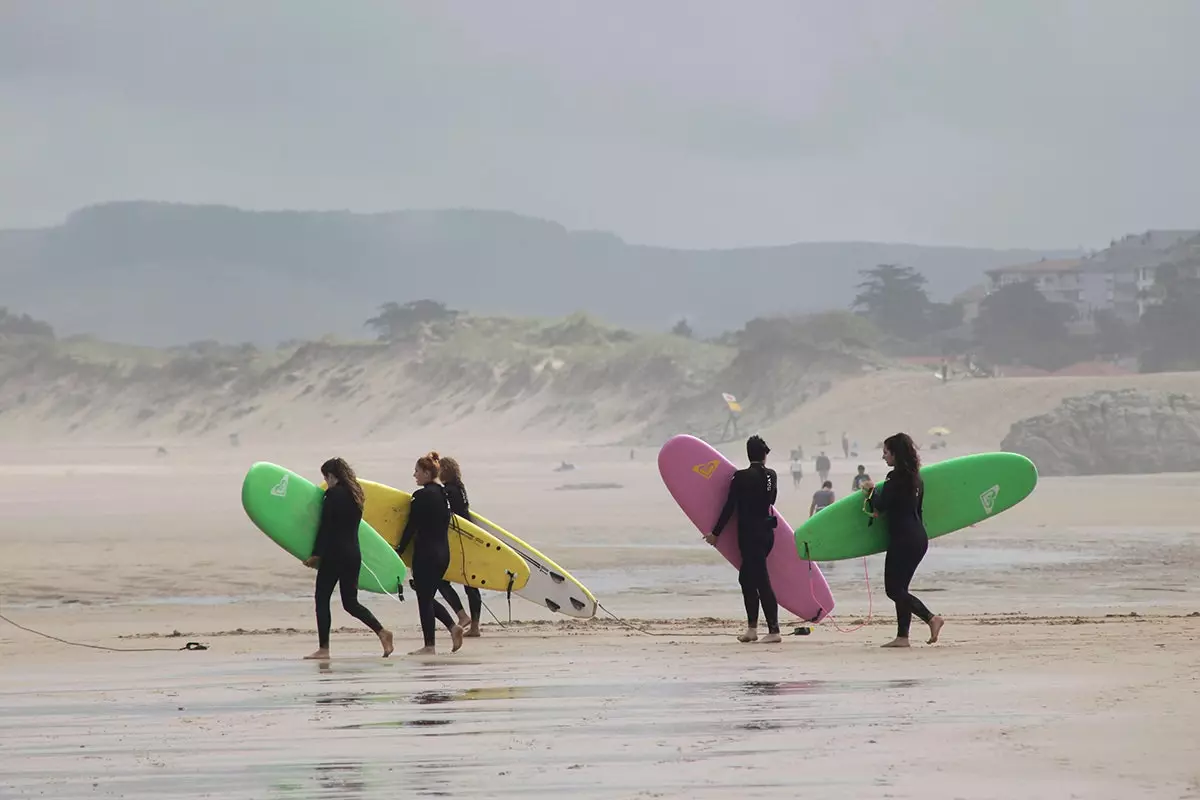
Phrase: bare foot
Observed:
(899, 641)
(456, 637)
(464, 619)
(771, 638)
(320, 655)
(386, 639)
(473, 631)
(751, 635)
(424, 651)
(935, 627)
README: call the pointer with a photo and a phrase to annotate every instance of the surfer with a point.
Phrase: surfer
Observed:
(901, 500)
(752, 492)
(450, 475)
(428, 530)
(797, 471)
(822, 497)
(336, 555)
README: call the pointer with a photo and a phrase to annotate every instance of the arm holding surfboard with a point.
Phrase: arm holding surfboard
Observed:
(328, 511)
(726, 513)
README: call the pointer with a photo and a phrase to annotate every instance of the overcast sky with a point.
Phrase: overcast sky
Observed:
(1040, 123)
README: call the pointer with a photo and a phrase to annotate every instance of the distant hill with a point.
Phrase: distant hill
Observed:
(162, 274)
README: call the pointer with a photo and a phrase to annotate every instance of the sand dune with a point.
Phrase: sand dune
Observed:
(978, 411)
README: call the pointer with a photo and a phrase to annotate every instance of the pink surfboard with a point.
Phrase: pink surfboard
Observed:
(698, 476)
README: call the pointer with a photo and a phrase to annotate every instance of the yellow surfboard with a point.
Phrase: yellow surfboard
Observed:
(477, 558)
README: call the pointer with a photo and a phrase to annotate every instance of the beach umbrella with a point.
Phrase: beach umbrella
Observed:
(939, 431)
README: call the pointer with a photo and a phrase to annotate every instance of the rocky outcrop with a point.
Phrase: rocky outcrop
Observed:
(1129, 432)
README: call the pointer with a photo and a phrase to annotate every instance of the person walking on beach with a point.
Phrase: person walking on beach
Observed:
(752, 492)
(901, 500)
(336, 555)
(823, 466)
(428, 531)
(845, 445)
(822, 497)
(450, 475)
(797, 471)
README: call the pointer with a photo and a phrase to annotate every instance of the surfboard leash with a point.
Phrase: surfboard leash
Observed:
(870, 601)
(188, 646)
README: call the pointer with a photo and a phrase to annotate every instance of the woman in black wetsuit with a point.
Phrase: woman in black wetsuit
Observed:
(428, 532)
(336, 556)
(901, 500)
(752, 492)
(450, 475)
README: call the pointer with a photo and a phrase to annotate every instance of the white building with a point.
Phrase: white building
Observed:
(1120, 278)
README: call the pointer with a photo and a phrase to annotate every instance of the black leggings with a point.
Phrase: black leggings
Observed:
(903, 558)
(343, 572)
(473, 599)
(756, 589)
(429, 573)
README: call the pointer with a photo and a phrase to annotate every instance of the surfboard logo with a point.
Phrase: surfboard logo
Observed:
(280, 489)
(707, 469)
(988, 499)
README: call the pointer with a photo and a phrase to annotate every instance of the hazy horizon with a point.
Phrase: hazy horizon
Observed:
(1046, 125)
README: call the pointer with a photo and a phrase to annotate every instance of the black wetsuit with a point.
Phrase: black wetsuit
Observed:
(337, 546)
(456, 493)
(907, 545)
(427, 530)
(752, 492)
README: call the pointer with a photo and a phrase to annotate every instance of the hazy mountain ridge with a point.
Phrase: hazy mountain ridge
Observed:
(161, 273)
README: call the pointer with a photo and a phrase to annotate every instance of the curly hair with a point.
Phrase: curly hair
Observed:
(906, 469)
(450, 471)
(338, 468)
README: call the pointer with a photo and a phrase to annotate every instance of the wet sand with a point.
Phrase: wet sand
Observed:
(1045, 686)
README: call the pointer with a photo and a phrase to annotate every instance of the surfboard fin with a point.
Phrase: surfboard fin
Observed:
(578, 604)
(554, 576)
(553, 606)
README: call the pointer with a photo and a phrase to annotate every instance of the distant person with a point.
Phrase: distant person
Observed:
(752, 492)
(797, 467)
(336, 555)
(823, 467)
(428, 531)
(822, 497)
(901, 500)
(860, 478)
(845, 445)
(450, 475)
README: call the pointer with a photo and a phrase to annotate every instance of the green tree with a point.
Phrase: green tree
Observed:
(1170, 329)
(23, 325)
(396, 322)
(682, 329)
(1114, 336)
(1017, 324)
(893, 297)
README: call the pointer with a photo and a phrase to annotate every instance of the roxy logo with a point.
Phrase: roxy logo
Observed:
(706, 470)
(280, 489)
(988, 499)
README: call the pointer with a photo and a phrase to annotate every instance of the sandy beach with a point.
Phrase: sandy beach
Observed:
(1067, 667)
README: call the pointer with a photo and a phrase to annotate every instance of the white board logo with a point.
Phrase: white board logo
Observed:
(988, 499)
(280, 489)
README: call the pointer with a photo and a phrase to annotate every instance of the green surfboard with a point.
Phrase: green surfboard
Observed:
(959, 492)
(287, 508)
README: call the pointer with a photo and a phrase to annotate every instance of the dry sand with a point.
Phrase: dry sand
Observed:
(1045, 686)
